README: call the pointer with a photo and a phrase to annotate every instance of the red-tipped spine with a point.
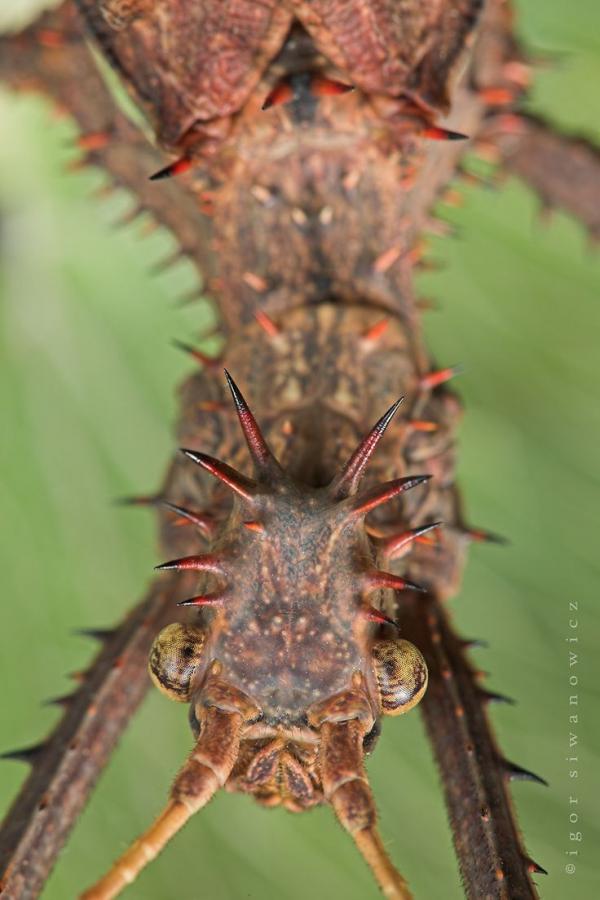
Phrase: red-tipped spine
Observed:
(435, 133)
(376, 331)
(383, 493)
(255, 527)
(348, 480)
(425, 426)
(93, 140)
(480, 536)
(376, 580)
(281, 93)
(175, 168)
(215, 600)
(439, 376)
(375, 615)
(139, 500)
(267, 324)
(320, 86)
(262, 457)
(205, 523)
(328, 87)
(394, 546)
(205, 563)
(198, 355)
(242, 486)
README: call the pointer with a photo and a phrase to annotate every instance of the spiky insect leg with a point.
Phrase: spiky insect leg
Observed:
(66, 764)
(474, 772)
(563, 170)
(43, 58)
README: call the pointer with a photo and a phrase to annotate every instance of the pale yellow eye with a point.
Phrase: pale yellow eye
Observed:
(174, 659)
(401, 674)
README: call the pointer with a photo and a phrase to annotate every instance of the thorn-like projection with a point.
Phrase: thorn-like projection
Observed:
(348, 480)
(474, 644)
(193, 296)
(214, 600)
(387, 259)
(206, 563)
(375, 615)
(375, 580)
(535, 868)
(429, 265)
(495, 697)
(376, 331)
(207, 203)
(78, 165)
(425, 426)
(264, 461)
(255, 527)
(139, 500)
(417, 251)
(496, 96)
(175, 168)
(205, 523)
(281, 93)
(383, 493)
(212, 406)
(441, 227)
(168, 261)
(510, 123)
(255, 281)
(28, 755)
(130, 216)
(472, 178)
(103, 635)
(285, 90)
(94, 140)
(427, 304)
(435, 133)
(63, 701)
(398, 544)
(203, 358)
(485, 537)
(78, 675)
(328, 87)
(50, 38)
(267, 324)
(103, 192)
(440, 376)
(518, 773)
(452, 197)
(244, 487)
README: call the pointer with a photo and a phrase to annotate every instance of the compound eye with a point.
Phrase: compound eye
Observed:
(175, 657)
(401, 674)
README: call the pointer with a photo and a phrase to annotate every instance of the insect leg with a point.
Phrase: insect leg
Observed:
(347, 789)
(204, 772)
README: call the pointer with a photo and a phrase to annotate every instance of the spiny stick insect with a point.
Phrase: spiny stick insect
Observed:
(302, 202)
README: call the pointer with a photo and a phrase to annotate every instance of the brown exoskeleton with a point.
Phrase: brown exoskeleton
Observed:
(315, 210)
(287, 680)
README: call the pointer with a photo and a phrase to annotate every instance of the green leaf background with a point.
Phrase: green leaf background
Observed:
(88, 395)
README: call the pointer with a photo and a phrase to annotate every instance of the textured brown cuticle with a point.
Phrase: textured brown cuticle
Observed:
(301, 554)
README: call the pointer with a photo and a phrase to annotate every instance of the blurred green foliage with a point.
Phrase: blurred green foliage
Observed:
(87, 392)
